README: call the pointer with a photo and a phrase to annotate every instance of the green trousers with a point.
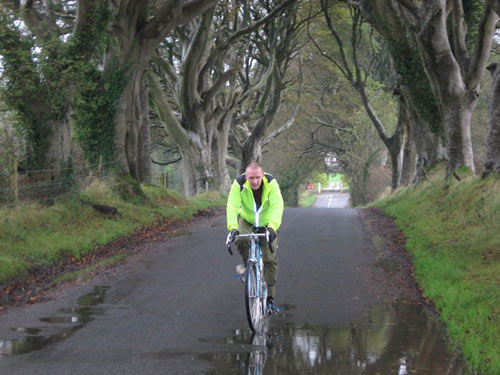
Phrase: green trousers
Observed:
(270, 258)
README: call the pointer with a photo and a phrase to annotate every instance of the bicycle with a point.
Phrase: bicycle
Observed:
(255, 285)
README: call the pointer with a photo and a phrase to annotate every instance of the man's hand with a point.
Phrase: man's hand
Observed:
(234, 233)
(272, 234)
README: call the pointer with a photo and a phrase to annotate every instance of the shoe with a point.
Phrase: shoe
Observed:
(271, 308)
(240, 269)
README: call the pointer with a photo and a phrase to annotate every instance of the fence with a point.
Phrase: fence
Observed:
(43, 186)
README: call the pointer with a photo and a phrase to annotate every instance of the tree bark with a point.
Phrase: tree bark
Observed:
(137, 38)
(492, 164)
(455, 77)
(409, 158)
(195, 149)
(60, 146)
(224, 181)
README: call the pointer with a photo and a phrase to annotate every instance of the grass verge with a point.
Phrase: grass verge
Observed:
(453, 234)
(307, 199)
(34, 236)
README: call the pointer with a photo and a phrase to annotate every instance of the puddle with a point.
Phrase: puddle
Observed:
(393, 339)
(64, 325)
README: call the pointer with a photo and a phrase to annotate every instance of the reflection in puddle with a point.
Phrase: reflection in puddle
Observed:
(395, 339)
(77, 317)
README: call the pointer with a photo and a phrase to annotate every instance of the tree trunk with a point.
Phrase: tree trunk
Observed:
(252, 149)
(428, 145)
(137, 37)
(224, 182)
(457, 118)
(409, 162)
(195, 161)
(131, 134)
(60, 146)
(492, 164)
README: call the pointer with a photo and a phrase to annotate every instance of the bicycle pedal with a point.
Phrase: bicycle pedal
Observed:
(273, 310)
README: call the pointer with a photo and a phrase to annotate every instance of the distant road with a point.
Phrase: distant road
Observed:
(331, 199)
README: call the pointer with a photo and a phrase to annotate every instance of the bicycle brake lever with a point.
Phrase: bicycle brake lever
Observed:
(229, 249)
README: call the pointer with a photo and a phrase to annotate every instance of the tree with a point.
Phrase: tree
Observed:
(40, 56)
(349, 61)
(454, 53)
(199, 95)
(492, 164)
(137, 28)
(272, 50)
(424, 133)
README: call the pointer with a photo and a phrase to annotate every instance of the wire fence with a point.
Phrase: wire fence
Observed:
(43, 186)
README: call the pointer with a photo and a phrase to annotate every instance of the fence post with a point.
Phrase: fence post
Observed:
(14, 194)
(99, 167)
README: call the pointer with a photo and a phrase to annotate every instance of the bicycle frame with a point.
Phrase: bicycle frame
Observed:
(255, 258)
(255, 285)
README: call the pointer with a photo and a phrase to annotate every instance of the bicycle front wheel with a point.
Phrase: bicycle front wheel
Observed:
(253, 298)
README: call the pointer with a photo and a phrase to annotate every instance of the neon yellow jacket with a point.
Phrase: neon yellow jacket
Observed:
(241, 201)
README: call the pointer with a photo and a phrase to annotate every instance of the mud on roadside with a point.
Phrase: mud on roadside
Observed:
(392, 257)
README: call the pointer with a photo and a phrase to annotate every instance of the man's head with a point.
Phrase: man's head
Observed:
(254, 175)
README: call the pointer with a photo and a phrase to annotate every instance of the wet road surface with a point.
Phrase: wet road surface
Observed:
(177, 309)
(332, 199)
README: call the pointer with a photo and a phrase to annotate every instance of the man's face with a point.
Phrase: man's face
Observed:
(254, 176)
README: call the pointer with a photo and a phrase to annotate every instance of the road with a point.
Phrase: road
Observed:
(177, 309)
(332, 199)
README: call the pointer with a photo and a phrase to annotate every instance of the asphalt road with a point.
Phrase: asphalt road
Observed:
(177, 309)
(332, 199)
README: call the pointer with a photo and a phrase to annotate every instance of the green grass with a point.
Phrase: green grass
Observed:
(337, 177)
(307, 199)
(34, 236)
(453, 234)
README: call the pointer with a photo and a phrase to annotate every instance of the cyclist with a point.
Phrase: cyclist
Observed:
(255, 200)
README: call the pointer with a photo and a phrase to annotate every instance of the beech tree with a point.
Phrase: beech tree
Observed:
(41, 44)
(492, 164)
(339, 126)
(137, 28)
(199, 94)
(349, 60)
(67, 33)
(454, 53)
(264, 80)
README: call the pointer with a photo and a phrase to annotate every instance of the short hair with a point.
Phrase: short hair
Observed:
(254, 165)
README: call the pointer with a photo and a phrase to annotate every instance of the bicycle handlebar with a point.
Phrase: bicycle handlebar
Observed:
(251, 235)
(248, 235)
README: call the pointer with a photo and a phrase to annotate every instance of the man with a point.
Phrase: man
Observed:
(256, 197)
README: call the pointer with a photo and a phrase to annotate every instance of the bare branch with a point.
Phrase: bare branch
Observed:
(217, 86)
(166, 67)
(164, 110)
(333, 31)
(459, 31)
(485, 41)
(166, 162)
(221, 48)
(171, 14)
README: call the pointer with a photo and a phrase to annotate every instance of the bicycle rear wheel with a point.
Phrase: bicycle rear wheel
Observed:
(252, 298)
